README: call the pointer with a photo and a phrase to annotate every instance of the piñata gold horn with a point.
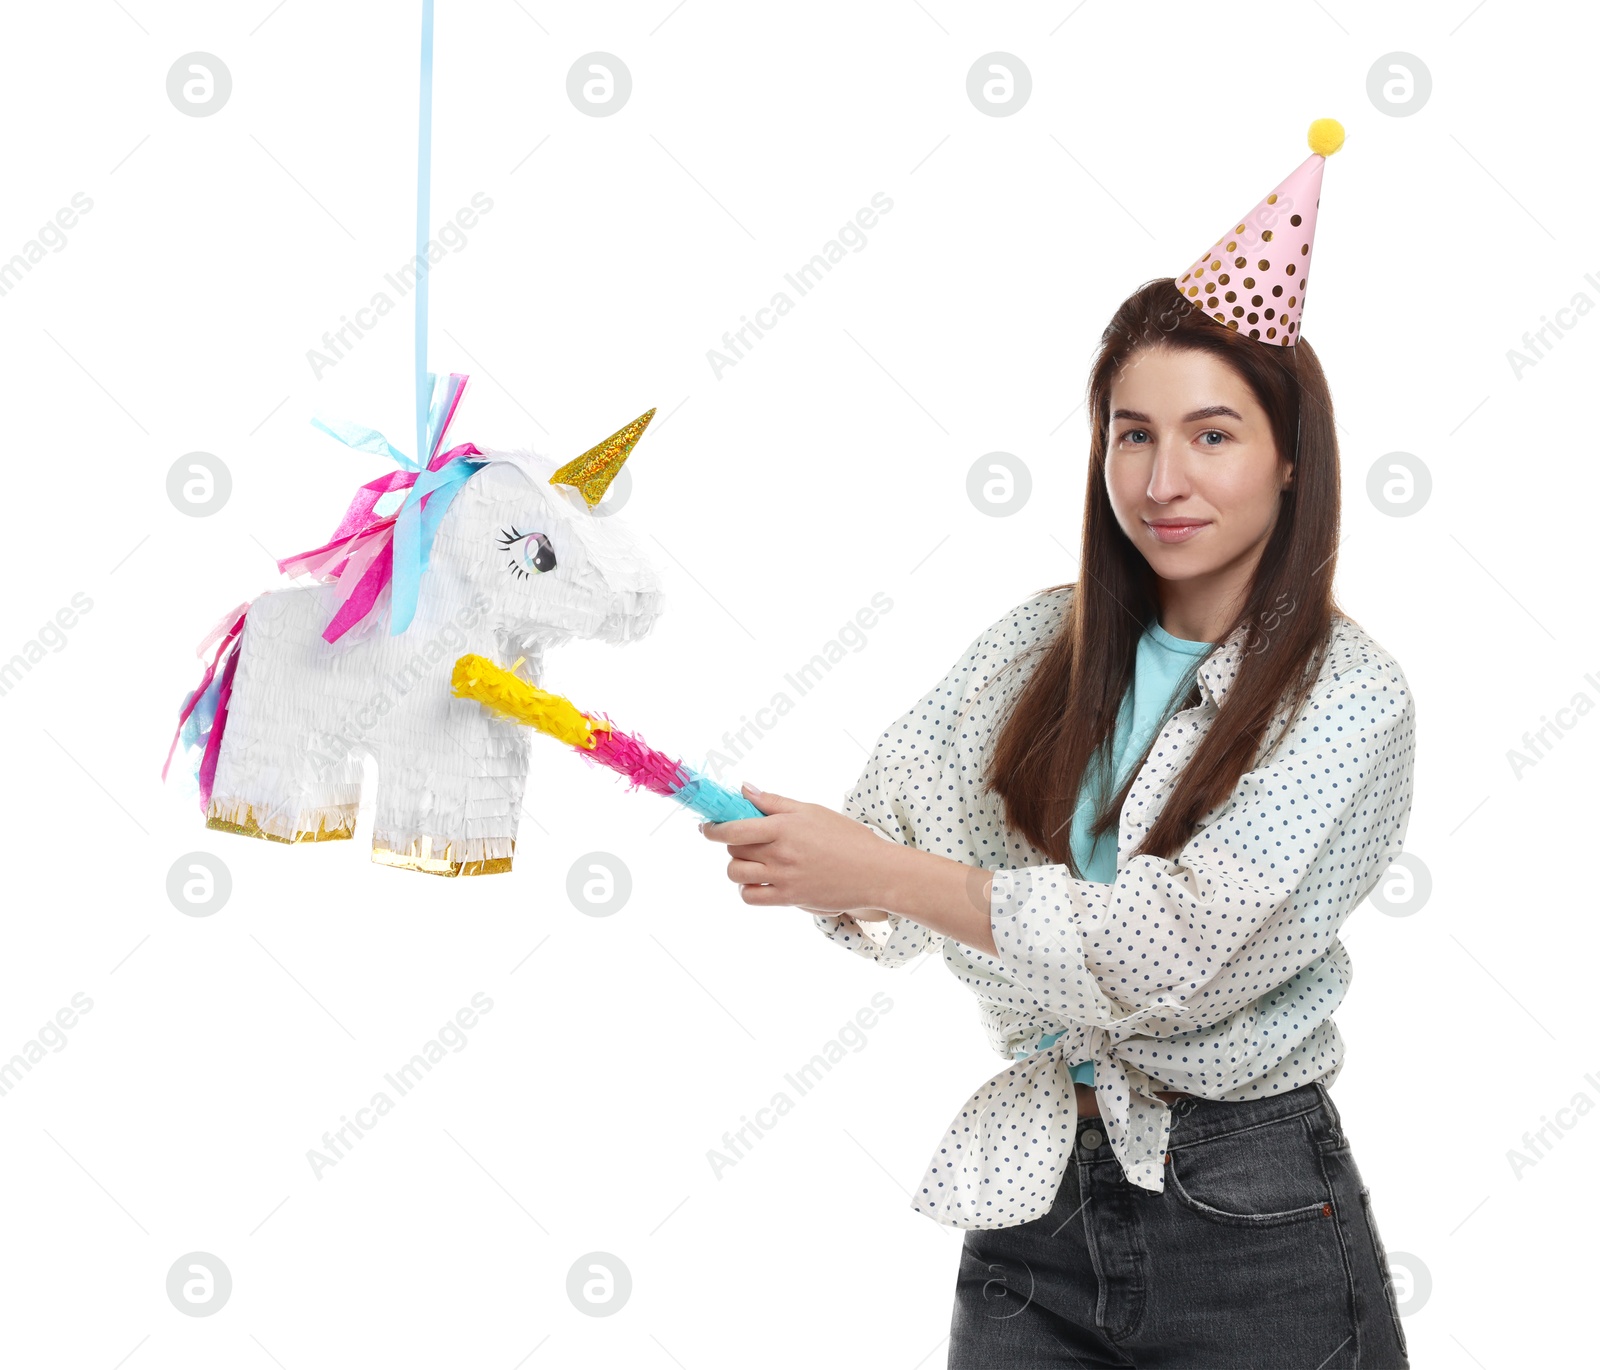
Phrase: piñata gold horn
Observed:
(593, 472)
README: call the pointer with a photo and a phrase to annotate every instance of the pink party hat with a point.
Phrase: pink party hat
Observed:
(1254, 276)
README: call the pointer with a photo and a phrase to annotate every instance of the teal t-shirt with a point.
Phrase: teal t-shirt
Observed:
(1164, 669)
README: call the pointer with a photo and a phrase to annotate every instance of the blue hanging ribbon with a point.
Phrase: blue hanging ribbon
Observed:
(435, 396)
(409, 547)
(424, 163)
(364, 440)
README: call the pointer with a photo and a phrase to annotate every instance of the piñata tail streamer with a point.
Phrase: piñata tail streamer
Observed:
(204, 714)
(596, 738)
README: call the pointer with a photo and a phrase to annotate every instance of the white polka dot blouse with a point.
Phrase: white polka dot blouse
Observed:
(1216, 972)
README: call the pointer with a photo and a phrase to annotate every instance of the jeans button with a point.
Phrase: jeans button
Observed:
(1091, 1139)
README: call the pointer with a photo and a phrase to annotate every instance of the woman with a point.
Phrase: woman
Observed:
(1162, 1177)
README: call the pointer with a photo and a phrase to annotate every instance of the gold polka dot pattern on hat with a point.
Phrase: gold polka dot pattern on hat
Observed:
(1271, 246)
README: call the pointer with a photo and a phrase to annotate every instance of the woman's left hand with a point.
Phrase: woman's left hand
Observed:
(805, 854)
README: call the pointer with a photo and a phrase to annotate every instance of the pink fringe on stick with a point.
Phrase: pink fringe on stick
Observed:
(634, 758)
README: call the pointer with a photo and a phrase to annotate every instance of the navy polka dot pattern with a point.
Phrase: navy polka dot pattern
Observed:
(1216, 972)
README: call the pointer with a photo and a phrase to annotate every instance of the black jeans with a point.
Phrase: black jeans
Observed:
(1260, 1253)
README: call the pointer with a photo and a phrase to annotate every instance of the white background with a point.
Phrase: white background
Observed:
(829, 464)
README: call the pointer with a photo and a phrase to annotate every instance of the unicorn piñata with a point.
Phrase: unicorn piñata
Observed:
(499, 553)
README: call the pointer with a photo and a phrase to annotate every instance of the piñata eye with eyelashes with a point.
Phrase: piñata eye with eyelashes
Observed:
(529, 554)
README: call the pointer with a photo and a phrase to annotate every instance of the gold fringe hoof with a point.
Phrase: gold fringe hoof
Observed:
(419, 856)
(241, 819)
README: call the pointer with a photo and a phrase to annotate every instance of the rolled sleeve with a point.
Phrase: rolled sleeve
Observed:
(912, 750)
(1253, 898)
(890, 942)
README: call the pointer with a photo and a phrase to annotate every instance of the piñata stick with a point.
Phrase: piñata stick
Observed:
(595, 738)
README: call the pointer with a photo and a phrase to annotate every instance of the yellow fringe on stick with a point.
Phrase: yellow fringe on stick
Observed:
(476, 677)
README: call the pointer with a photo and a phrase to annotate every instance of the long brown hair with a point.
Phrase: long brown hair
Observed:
(1066, 712)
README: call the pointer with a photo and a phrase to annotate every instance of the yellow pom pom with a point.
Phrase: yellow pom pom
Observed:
(1326, 136)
